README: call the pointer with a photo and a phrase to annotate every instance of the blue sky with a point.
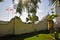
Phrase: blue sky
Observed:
(5, 15)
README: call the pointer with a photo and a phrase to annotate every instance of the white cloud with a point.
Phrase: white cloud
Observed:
(16, 1)
(41, 11)
(23, 16)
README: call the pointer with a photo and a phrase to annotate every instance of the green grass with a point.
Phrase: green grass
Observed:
(29, 37)
(40, 37)
(59, 35)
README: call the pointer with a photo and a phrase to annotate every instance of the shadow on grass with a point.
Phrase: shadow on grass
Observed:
(23, 36)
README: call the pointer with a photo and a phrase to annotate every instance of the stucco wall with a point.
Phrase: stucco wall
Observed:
(21, 28)
(6, 28)
(41, 25)
(15, 26)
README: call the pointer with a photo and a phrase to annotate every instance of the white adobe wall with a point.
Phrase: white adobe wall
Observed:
(58, 12)
(20, 28)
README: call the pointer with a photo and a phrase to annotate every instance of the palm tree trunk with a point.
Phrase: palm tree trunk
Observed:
(48, 26)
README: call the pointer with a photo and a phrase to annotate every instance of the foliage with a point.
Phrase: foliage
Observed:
(32, 18)
(31, 6)
(52, 2)
(1, 0)
(50, 19)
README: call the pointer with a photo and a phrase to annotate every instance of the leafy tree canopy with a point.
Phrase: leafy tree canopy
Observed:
(30, 5)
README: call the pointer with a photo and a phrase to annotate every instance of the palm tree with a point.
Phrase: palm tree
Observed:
(52, 2)
(51, 22)
(50, 19)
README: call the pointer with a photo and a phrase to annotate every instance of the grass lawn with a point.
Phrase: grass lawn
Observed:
(40, 37)
(29, 36)
(59, 35)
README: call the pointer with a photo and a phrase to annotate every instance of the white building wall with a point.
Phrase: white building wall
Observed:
(58, 12)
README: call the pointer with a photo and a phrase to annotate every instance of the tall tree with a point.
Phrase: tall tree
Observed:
(50, 19)
(51, 23)
(31, 6)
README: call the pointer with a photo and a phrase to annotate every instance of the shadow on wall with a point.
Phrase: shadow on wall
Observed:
(24, 36)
